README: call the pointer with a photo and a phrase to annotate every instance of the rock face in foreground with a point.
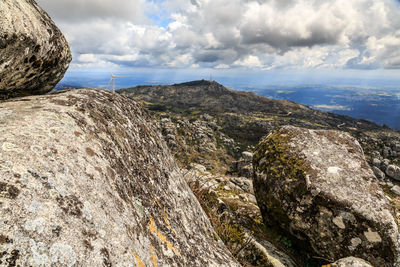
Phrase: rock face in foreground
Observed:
(34, 54)
(317, 186)
(86, 180)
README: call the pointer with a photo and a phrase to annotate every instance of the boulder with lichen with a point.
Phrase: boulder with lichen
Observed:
(34, 55)
(316, 187)
(86, 180)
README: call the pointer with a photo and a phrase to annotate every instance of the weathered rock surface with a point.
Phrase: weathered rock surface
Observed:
(317, 186)
(34, 54)
(378, 173)
(85, 180)
(351, 262)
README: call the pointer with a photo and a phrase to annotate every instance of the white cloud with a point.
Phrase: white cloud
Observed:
(261, 34)
(249, 61)
(83, 10)
(87, 58)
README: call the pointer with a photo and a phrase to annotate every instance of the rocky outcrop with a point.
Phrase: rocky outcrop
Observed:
(86, 180)
(197, 140)
(34, 54)
(317, 187)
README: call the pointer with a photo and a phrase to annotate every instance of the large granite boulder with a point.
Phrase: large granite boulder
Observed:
(317, 187)
(86, 180)
(34, 54)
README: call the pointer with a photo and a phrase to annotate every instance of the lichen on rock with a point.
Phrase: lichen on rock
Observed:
(315, 186)
(86, 180)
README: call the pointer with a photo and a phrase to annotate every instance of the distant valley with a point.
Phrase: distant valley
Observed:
(381, 106)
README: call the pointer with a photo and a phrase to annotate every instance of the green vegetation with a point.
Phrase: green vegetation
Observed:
(232, 234)
(274, 158)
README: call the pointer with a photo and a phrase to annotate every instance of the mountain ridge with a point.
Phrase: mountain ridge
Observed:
(211, 97)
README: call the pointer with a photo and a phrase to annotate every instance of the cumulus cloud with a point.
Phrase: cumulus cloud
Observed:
(263, 34)
(73, 11)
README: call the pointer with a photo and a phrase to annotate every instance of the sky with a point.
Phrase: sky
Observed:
(361, 37)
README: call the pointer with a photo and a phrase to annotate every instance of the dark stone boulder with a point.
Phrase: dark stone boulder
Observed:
(316, 187)
(86, 180)
(393, 171)
(34, 55)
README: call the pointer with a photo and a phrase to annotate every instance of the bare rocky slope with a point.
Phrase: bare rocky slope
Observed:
(86, 180)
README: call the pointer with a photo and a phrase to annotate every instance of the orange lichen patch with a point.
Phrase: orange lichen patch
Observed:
(326, 265)
(138, 260)
(158, 203)
(153, 229)
(153, 256)
(165, 216)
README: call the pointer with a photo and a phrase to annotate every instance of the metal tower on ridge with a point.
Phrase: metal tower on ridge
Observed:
(112, 81)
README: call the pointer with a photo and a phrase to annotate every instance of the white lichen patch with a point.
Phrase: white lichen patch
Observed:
(62, 253)
(36, 225)
(86, 212)
(139, 207)
(34, 207)
(39, 256)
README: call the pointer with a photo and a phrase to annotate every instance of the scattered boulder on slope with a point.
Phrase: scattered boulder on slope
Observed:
(393, 171)
(34, 54)
(86, 180)
(316, 186)
(351, 262)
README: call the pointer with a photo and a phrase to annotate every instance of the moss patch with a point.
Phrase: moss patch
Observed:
(274, 158)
